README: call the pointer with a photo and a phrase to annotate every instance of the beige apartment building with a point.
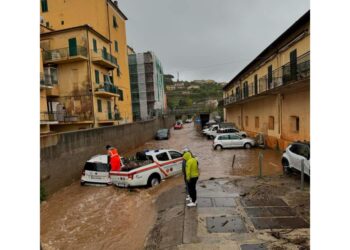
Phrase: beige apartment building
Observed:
(271, 95)
(84, 65)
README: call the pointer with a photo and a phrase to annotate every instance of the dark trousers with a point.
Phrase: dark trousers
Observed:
(186, 184)
(192, 188)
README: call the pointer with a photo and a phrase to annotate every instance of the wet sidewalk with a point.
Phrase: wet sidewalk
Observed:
(234, 213)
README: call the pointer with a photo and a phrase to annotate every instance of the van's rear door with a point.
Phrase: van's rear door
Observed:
(97, 172)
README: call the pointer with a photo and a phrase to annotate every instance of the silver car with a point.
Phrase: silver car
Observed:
(232, 140)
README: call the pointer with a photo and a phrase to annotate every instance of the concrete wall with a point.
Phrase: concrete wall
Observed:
(62, 156)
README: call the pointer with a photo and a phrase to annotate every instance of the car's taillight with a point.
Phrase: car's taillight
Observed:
(83, 172)
(130, 176)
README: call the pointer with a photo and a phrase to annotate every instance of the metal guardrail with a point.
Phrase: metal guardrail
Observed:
(281, 76)
(64, 53)
(109, 88)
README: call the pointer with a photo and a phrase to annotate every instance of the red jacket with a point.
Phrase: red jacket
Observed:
(114, 159)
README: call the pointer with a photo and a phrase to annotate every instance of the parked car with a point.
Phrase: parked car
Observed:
(163, 134)
(225, 130)
(157, 165)
(294, 154)
(212, 128)
(232, 140)
(178, 125)
(188, 121)
(96, 170)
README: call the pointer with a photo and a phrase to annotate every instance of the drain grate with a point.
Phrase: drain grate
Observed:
(269, 211)
(273, 202)
(225, 225)
(253, 247)
(279, 223)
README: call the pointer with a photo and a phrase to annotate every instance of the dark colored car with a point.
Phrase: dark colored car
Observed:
(163, 134)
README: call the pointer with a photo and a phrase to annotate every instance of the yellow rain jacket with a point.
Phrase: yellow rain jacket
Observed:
(191, 166)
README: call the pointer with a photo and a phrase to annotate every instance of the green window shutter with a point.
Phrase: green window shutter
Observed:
(115, 25)
(99, 105)
(116, 46)
(73, 48)
(94, 44)
(44, 7)
(97, 76)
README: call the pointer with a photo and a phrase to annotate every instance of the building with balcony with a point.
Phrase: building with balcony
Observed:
(271, 95)
(84, 65)
(147, 85)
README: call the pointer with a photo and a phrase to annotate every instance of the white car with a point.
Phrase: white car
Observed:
(232, 140)
(214, 133)
(96, 170)
(293, 156)
(160, 164)
(211, 129)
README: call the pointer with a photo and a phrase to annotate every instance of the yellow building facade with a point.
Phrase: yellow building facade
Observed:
(85, 51)
(271, 95)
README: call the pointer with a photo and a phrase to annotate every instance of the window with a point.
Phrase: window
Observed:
(44, 7)
(293, 64)
(246, 121)
(121, 97)
(115, 25)
(175, 155)
(118, 71)
(47, 24)
(269, 76)
(271, 123)
(116, 46)
(300, 149)
(224, 137)
(234, 137)
(162, 157)
(97, 76)
(294, 124)
(62, 22)
(94, 44)
(99, 105)
(256, 121)
(255, 84)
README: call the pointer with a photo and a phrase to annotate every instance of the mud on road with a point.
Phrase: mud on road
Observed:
(94, 217)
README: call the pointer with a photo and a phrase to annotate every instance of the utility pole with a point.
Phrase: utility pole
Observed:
(177, 76)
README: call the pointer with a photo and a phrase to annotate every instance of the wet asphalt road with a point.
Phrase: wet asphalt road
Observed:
(113, 218)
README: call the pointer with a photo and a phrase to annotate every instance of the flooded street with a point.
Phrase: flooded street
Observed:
(93, 217)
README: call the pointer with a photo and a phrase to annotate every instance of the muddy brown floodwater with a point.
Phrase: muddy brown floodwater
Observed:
(99, 217)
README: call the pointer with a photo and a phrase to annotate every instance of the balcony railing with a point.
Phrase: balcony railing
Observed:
(65, 54)
(281, 76)
(64, 117)
(107, 90)
(104, 58)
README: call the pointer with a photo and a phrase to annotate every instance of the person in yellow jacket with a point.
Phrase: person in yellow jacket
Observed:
(192, 174)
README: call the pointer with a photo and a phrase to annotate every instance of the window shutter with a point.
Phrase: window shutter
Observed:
(94, 44)
(116, 46)
(44, 7)
(97, 76)
(99, 105)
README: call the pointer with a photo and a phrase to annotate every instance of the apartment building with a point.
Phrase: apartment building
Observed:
(271, 95)
(147, 85)
(84, 53)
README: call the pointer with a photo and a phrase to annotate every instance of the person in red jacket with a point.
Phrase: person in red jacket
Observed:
(113, 158)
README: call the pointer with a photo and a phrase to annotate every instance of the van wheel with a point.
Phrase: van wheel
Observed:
(286, 168)
(247, 146)
(82, 183)
(153, 180)
(218, 147)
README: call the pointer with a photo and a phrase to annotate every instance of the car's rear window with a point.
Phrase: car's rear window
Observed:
(96, 166)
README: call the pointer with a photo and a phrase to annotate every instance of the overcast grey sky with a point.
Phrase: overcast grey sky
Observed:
(204, 39)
